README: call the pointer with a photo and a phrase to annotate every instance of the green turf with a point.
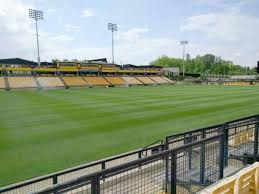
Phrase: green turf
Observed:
(46, 131)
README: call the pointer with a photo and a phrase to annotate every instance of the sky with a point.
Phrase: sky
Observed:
(147, 29)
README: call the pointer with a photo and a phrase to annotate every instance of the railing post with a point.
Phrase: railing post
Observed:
(103, 168)
(256, 132)
(173, 172)
(139, 154)
(55, 180)
(166, 147)
(95, 185)
(202, 159)
(190, 151)
(225, 134)
(222, 153)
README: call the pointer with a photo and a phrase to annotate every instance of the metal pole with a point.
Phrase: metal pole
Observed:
(183, 58)
(37, 42)
(256, 132)
(112, 49)
(173, 173)
(222, 152)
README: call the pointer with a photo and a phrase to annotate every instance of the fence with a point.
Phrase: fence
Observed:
(184, 163)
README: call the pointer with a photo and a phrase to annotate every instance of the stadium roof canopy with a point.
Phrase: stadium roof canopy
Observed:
(140, 66)
(98, 60)
(17, 61)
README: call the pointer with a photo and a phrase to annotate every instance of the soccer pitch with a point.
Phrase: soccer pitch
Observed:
(45, 131)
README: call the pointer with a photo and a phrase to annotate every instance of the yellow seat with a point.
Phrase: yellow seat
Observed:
(146, 80)
(115, 80)
(74, 81)
(227, 187)
(22, 82)
(132, 80)
(96, 81)
(159, 80)
(2, 83)
(247, 182)
(50, 82)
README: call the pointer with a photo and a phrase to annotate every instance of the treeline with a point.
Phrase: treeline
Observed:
(207, 64)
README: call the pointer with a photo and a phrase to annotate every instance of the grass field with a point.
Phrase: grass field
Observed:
(46, 131)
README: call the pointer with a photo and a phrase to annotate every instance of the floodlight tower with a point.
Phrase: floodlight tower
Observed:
(184, 42)
(112, 27)
(36, 15)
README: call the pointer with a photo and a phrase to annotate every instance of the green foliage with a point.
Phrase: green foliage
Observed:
(207, 64)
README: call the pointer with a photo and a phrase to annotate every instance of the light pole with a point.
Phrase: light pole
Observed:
(112, 27)
(183, 42)
(36, 15)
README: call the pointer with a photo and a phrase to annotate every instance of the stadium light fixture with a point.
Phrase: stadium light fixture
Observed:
(184, 42)
(36, 15)
(112, 27)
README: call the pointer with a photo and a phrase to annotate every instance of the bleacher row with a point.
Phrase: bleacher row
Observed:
(78, 81)
(245, 181)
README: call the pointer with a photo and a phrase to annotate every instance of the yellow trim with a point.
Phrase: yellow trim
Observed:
(109, 70)
(137, 71)
(18, 68)
(90, 68)
(45, 69)
(68, 69)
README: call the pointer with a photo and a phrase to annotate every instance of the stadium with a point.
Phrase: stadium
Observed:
(94, 126)
(82, 120)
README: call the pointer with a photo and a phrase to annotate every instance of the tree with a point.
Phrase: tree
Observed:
(207, 64)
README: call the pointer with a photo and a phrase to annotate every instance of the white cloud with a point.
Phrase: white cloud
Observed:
(232, 34)
(132, 34)
(51, 11)
(72, 28)
(225, 27)
(62, 38)
(2, 12)
(87, 13)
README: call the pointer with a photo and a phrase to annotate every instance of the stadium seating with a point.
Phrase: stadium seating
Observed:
(50, 82)
(236, 83)
(245, 181)
(132, 81)
(168, 80)
(146, 80)
(96, 81)
(115, 80)
(2, 83)
(159, 80)
(22, 82)
(74, 81)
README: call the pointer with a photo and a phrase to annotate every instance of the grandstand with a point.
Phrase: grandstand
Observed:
(78, 81)
(50, 82)
(159, 79)
(74, 81)
(115, 80)
(96, 81)
(132, 80)
(2, 83)
(146, 80)
(22, 82)
(237, 83)
(168, 80)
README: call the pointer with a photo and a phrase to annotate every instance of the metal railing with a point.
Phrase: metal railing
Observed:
(183, 163)
(42, 182)
(147, 175)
